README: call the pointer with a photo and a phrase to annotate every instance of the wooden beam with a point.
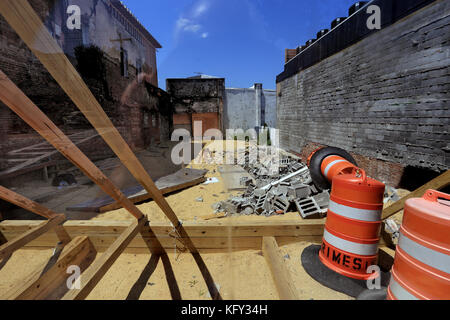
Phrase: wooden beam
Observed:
(11, 246)
(206, 235)
(206, 229)
(27, 204)
(24, 20)
(18, 102)
(97, 270)
(280, 273)
(436, 184)
(52, 284)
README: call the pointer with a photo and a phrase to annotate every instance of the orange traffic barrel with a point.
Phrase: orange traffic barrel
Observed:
(421, 268)
(312, 154)
(352, 229)
(335, 165)
(325, 163)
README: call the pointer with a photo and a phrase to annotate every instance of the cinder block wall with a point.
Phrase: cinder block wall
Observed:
(240, 110)
(385, 99)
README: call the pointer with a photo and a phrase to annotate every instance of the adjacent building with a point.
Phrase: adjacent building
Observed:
(383, 95)
(250, 108)
(109, 47)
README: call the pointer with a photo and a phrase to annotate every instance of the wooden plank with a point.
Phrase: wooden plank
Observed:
(27, 204)
(436, 184)
(18, 102)
(24, 20)
(44, 155)
(213, 235)
(11, 246)
(217, 244)
(280, 273)
(52, 284)
(180, 180)
(97, 270)
(207, 229)
(29, 162)
(32, 168)
(36, 208)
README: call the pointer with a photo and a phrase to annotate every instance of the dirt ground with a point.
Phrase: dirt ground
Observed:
(238, 275)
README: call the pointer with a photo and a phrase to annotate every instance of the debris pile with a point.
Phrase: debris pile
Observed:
(277, 189)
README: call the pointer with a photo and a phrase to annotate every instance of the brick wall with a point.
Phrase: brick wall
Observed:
(23, 68)
(385, 99)
(197, 95)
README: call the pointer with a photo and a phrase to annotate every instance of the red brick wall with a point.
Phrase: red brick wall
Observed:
(389, 172)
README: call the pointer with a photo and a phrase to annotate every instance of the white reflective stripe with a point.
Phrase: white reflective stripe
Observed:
(331, 165)
(349, 246)
(355, 213)
(434, 259)
(399, 292)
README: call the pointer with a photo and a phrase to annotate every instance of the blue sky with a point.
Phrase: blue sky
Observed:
(240, 40)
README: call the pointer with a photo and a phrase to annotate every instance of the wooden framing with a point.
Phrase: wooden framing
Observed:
(24, 20)
(39, 152)
(11, 246)
(280, 273)
(27, 204)
(114, 237)
(52, 284)
(98, 269)
(208, 236)
(440, 182)
(18, 102)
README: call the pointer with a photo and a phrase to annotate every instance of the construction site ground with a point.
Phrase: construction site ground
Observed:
(137, 275)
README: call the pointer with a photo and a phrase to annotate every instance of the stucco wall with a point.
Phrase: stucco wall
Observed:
(241, 108)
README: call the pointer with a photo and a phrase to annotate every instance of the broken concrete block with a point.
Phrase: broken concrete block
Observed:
(281, 204)
(299, 191)
(323, 199)
(308, 208)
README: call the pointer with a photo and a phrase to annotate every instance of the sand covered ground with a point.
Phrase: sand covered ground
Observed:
(238, 275)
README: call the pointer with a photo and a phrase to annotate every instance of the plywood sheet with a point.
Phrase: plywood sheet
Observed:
(182, 179)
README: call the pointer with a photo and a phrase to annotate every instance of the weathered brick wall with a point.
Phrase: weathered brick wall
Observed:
(198, 95)
(384, 99)
(25, 70)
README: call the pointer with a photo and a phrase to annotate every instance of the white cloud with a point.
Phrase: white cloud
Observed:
(192, 28)
(201, 8)
(181, 23)
(188, 21)
(184, 24)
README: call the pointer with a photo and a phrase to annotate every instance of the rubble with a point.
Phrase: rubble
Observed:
(276, 190)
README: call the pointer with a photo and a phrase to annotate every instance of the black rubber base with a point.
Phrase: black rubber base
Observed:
(335, 281)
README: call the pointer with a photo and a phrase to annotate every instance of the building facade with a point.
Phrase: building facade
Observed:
(197, 99)
(383, 95)
(250, 108)
(109, 47)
